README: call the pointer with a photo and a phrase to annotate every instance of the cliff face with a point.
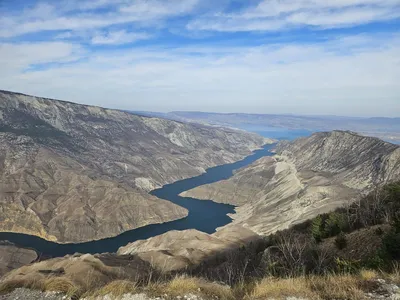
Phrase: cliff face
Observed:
(73, 173)
(307, 177)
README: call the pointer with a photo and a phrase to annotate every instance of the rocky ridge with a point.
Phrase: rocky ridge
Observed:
(307, 177)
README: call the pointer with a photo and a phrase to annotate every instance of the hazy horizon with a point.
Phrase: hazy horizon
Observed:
(299, 57)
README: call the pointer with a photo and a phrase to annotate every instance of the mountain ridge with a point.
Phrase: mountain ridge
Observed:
(310, 175)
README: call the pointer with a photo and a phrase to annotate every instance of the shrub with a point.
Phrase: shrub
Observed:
(347, 266)
(341, 241)
(376, 262)
(335, 224)
(379, 231)
(317, 229)
(391, 244)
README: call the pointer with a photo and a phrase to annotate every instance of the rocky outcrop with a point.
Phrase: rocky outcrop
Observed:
(13, 257)
(307, 177)
(73, 173)
(176, 250)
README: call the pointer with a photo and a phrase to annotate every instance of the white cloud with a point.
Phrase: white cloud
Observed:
(15, 58)
(346, 71)
(56, 18)
(273, 15)
(118, 37)
(157, 8)
(301, 78)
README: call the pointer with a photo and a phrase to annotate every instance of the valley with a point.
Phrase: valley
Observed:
(87, 191)
(204, 216)
(73, 173)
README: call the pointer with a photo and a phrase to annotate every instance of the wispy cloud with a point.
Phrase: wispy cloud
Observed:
(85, 16)
(118, 37)
(273, 15)
(305, 56)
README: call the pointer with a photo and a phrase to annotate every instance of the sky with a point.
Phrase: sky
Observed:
(329, 57)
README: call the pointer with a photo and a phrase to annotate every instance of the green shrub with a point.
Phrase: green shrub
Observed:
(347, 266)
(391, 244)
(341, 241)
(335, 224)
(376, 262)
(317, 229)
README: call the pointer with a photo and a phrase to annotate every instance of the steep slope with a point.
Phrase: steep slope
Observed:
(13, 257)
(176, 250)
(307, 176)
(73, 173)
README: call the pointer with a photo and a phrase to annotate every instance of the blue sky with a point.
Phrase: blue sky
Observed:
(266, 56)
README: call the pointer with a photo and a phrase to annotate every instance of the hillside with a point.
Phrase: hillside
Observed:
(73, 173)
(346, 254)
(307, 176)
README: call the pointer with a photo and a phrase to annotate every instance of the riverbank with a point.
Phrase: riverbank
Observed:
(205, 216)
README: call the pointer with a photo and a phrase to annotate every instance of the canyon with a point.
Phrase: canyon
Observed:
(75, 173)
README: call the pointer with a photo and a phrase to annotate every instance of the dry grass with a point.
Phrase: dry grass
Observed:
(182, 285)
(61, 284)
(117, 288)
(394, 276)
(282, 288)
(30, 283)
(341, 287)
(368, 274)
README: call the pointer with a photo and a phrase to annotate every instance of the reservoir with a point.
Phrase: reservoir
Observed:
(204, 215)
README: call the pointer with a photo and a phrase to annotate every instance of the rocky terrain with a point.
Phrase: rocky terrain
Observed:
(177, 250)
(12, 257)
(307, 177)
(73, 173)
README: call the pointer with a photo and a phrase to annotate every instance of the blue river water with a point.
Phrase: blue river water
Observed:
(204, 215)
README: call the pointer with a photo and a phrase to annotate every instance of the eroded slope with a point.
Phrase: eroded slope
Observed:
(73, 173)
(307, 177)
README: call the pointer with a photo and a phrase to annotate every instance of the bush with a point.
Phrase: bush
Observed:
(391, 244)
(347, 266)
(317, 229)
(379, 231)
(341, 241)
(335, 224)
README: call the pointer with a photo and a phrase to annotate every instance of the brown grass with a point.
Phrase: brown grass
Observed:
(341, 287)
(31, 283)
(335, 286)
(282, 288)
(368, 274)
(394, 276)
(61, 284)
(182, 285)
(117, 288)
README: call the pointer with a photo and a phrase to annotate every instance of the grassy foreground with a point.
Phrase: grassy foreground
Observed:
(333, 286)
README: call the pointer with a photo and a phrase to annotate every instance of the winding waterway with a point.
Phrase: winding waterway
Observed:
(203, 215)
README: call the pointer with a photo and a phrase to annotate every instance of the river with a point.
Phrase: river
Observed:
(203, 215)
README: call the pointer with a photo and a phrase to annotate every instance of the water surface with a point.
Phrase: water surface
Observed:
(203, 215)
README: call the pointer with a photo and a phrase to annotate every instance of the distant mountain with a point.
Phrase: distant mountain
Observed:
(384, 128)
(73, 173)
(307, 177)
